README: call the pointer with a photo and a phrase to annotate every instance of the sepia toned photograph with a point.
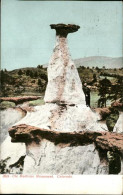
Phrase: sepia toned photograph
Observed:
(61, 95)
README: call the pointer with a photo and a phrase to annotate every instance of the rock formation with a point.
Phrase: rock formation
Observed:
(104, 140)
(65, 108)
(64, 85)
(64, 136)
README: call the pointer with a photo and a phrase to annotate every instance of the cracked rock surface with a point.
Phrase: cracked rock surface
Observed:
(46, 158)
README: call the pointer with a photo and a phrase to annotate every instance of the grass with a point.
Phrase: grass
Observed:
(36, 102)
(7, 104)
(94, 99)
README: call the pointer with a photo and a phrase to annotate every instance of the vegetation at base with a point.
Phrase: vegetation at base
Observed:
(6, 104)
(114, 162)
(16, 168)
(3, 168)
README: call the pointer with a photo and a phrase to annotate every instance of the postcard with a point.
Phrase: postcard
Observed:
(61, 97)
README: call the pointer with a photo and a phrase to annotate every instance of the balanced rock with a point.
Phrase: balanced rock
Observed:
(52, 146)
(65, 108)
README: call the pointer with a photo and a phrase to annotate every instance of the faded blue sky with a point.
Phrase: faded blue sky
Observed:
(27, 39)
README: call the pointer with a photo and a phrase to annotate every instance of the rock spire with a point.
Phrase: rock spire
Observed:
(64, 85)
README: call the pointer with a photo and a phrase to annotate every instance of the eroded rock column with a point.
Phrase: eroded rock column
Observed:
(52, 131)
(65, 108)
(64, 85)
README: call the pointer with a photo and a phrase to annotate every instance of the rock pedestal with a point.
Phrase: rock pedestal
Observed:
(65, 108)
(51, 132)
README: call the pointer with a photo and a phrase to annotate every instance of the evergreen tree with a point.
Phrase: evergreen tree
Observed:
(94, 77)
(27, 72)
(39, 82)
(31, 74)
(117, 90)
(36, 74)
(104, 90)
(20, 72)
(2, 76)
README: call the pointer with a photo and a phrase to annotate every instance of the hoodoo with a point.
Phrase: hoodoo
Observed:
(65, 108)
(60, 135)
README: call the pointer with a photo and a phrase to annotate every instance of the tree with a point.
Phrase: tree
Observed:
(2, 76)
(82, 67)
(31, 74)
(36, 74)
(20, 72)
(104, 90)
(43, 76)
(40, 66)
(39, 82)
(94, 77)
(117, 90)
(5, 70)
(27, 72)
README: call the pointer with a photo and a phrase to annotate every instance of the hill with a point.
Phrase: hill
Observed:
(24, 81)
(100, 61)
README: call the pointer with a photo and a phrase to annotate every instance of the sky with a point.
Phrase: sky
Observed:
(27, 40)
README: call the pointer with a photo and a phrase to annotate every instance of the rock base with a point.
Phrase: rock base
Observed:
(47, 158)
(66, 118)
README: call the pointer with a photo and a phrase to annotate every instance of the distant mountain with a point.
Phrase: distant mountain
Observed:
(98, 61)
